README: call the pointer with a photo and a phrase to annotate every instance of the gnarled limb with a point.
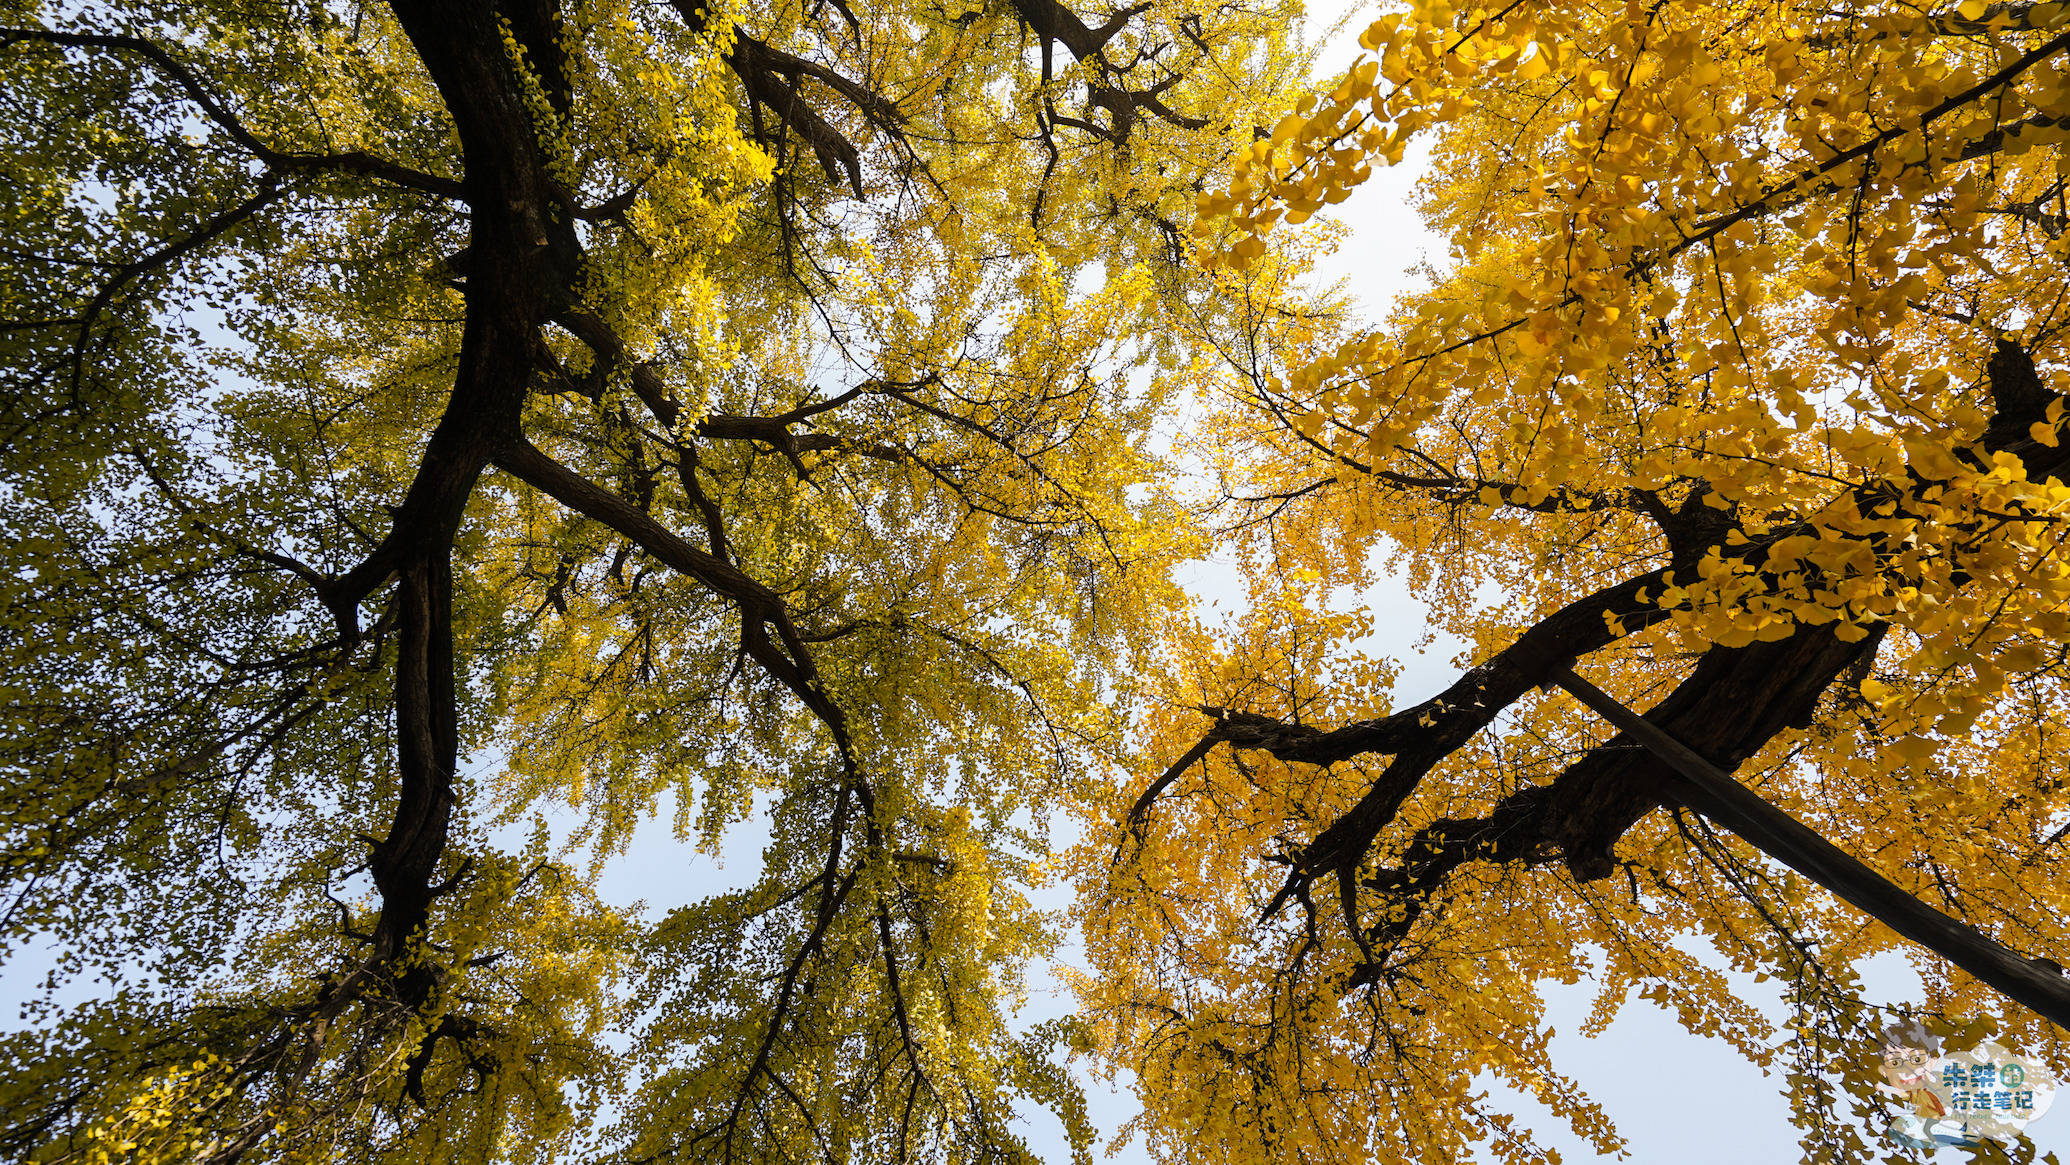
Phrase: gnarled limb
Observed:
(1732, 703)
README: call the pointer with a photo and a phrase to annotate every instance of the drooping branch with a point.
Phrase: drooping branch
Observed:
(774, 80)
(1450, 718)
(777, 431)
(219, 113)
(1731, 704)
(528, 464)
(761, 608)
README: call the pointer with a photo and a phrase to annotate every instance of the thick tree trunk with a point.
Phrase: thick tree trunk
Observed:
(524, 257)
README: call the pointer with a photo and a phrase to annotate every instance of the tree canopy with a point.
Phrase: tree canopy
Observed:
(422, 416)
(1742, 385)
(416, 414)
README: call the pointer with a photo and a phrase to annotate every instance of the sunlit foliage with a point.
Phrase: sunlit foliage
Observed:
(439, 437)
(1740, 388)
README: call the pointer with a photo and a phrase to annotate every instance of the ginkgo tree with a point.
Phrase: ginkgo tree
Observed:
(1743, 383)
(419, 414)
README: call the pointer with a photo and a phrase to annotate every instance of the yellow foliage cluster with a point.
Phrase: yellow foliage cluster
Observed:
(1764, 254)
